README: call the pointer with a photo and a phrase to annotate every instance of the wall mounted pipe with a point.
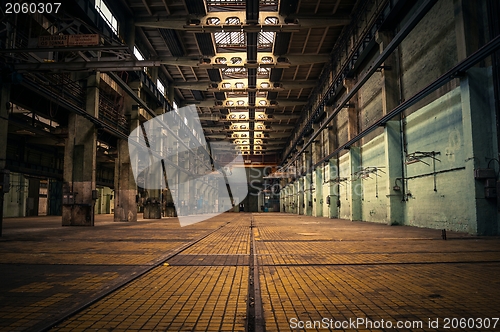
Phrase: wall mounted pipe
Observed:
(415, 19)
(451, 74)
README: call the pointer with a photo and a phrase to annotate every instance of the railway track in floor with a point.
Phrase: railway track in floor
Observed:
(254, 321)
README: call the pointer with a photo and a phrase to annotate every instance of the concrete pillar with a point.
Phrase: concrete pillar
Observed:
(308, 185)
(213, 197)
(333, 188)
(153, 204)
(480, 146)
(392, 133)
(389, 73)
(354, 153)
(333, 166)
(184, 188)
(4, 121)
(171, 210)
(394, 169)
(191, 195)
(296, 197)
(289, 198)
(478, 118)
(152, 207)
(352, 112)
(198, 193)
(4, 124)
(282, 198)
(125, 186)
(318, 177)
(80, 162)
(356, 185)
(315, 184)
(300, 195)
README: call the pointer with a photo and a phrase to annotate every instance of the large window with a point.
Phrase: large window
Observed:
(160, 87)
(106, 14)
(139, 56)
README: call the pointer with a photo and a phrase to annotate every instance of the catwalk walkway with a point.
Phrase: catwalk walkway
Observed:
(242, 271)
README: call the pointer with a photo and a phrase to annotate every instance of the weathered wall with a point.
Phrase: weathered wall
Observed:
(14, 204)
(437, 127)
(429, 50)
(438, 193)
(374, 188)
(344, 187)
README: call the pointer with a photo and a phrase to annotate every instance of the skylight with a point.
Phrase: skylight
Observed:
(226, 5)
(266, 39)
(226, 39)
(263, 72)
(106, 14)
(234, 72)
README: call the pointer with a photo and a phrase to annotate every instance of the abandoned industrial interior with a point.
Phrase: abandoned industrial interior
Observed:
(249, 165)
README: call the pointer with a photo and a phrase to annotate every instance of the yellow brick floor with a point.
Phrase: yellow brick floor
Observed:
(311, 271)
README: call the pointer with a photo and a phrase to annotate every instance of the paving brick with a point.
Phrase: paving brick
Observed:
(309, 269)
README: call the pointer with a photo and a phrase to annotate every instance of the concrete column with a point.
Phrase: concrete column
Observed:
(183, 189)
(125, 186)
(282, 199)
(212, 198)
(389, 72)
(470, 34)
(152, 208)
(181, 193)
(333, 166)
(308, 185)
(392, 133)
(191, 198)
(80, 162)
(4, 124)
(289, 200)
(356, 185)
(301, 193)
(394, 167)
(479, 147)
(318, 175)
(333, 188)
(199, 193)
(478, 118)
(172, 176)
(354, 153)
(296, 189)
(153, 203)
(352, 112)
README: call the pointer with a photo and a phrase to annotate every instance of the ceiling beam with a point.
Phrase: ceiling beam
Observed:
(207, 86)
(274, 104)
(196, 23)
(121, 65)
(147, 7)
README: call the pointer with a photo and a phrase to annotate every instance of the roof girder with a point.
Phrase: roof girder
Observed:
(196, 23)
